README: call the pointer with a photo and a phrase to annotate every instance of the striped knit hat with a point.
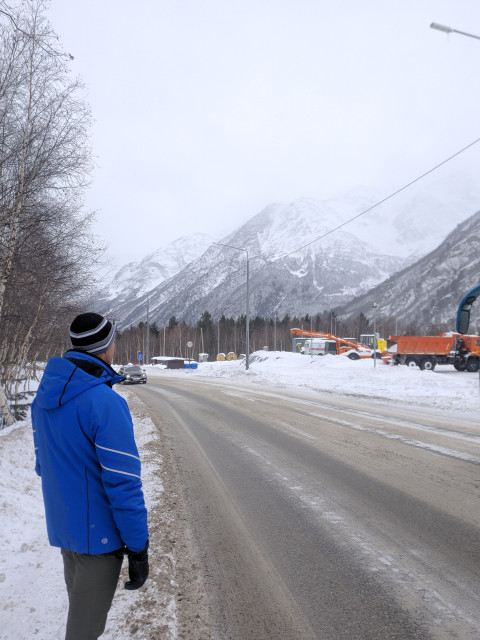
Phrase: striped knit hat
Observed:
(92, 333)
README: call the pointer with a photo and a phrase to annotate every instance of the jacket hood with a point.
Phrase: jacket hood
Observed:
(68, 377)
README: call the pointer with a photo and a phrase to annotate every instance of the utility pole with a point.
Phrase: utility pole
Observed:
(147, 355)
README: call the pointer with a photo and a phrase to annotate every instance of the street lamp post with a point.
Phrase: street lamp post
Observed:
(374, 334)
(247, 322)
(147, 355)
(442, 27)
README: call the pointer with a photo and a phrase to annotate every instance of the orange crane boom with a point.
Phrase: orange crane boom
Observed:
(353, 349)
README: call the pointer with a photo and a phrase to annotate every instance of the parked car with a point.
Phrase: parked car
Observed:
(133, 374)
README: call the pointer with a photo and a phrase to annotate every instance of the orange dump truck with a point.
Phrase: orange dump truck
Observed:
(428, 351)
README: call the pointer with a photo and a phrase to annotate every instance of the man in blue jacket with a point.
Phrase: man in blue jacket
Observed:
(88, 462)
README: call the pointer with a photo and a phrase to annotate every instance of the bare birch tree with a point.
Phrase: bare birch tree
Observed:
(46, 253)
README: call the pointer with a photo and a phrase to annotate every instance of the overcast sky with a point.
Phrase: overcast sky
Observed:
(206, 111)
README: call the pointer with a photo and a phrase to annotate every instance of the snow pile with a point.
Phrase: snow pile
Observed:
(32, 589)
(444, 389)
(33, 600)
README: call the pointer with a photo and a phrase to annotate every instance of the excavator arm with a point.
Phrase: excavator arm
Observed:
(342, 343)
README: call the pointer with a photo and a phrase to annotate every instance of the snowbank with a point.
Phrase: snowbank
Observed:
(32, 588)
(444, 389)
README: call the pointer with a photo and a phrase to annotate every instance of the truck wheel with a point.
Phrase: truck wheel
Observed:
(353, 356)
(427, 364)
(411, 362)
(459, 366)
(472, 365)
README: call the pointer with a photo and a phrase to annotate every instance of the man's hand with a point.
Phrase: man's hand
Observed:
(137, 568)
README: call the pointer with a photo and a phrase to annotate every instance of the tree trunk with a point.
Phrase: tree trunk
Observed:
(6, 415)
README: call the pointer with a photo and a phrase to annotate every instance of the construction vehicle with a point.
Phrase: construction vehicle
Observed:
(374, 341)
(317, 343)
(426, 352)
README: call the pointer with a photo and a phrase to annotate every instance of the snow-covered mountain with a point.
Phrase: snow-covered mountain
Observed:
(136, 278)
(428, 291)
(304, 257)
(413, 225)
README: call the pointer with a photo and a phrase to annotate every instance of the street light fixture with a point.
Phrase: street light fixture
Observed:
(247, 322)
(442, 27)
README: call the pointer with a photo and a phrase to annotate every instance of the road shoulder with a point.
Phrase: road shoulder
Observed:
(175, 574)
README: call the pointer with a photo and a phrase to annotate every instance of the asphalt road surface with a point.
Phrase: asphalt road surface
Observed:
(314, 516)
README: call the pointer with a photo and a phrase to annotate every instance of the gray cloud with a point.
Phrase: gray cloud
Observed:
(208, 111)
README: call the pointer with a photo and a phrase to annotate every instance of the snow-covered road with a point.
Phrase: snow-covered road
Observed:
(31, 583)
(361, 511)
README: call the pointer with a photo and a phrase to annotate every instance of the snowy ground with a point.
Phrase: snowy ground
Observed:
(32, 592)
(445, 388)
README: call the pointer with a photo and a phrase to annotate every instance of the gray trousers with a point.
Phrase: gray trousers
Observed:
(91, 582)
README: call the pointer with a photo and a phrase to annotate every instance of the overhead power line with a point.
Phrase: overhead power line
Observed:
(359, 215)
(377, 204)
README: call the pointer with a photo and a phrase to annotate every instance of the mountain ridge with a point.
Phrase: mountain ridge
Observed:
(306, 256)
(428, 291)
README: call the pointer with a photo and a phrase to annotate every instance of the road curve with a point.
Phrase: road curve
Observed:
(321, 517)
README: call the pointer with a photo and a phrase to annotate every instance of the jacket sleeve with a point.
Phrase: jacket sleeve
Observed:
(118, 457)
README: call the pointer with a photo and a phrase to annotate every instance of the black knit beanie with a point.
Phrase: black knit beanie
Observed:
(92, 333)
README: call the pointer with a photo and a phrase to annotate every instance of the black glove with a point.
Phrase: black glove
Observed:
(137, 568)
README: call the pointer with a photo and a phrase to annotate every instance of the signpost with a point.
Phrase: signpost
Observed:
(189, 346)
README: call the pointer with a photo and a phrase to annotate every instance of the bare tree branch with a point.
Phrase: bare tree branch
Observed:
(46, 251)
(10, 13)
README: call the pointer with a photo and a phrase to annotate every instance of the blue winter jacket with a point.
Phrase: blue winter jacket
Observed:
(87, 458)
